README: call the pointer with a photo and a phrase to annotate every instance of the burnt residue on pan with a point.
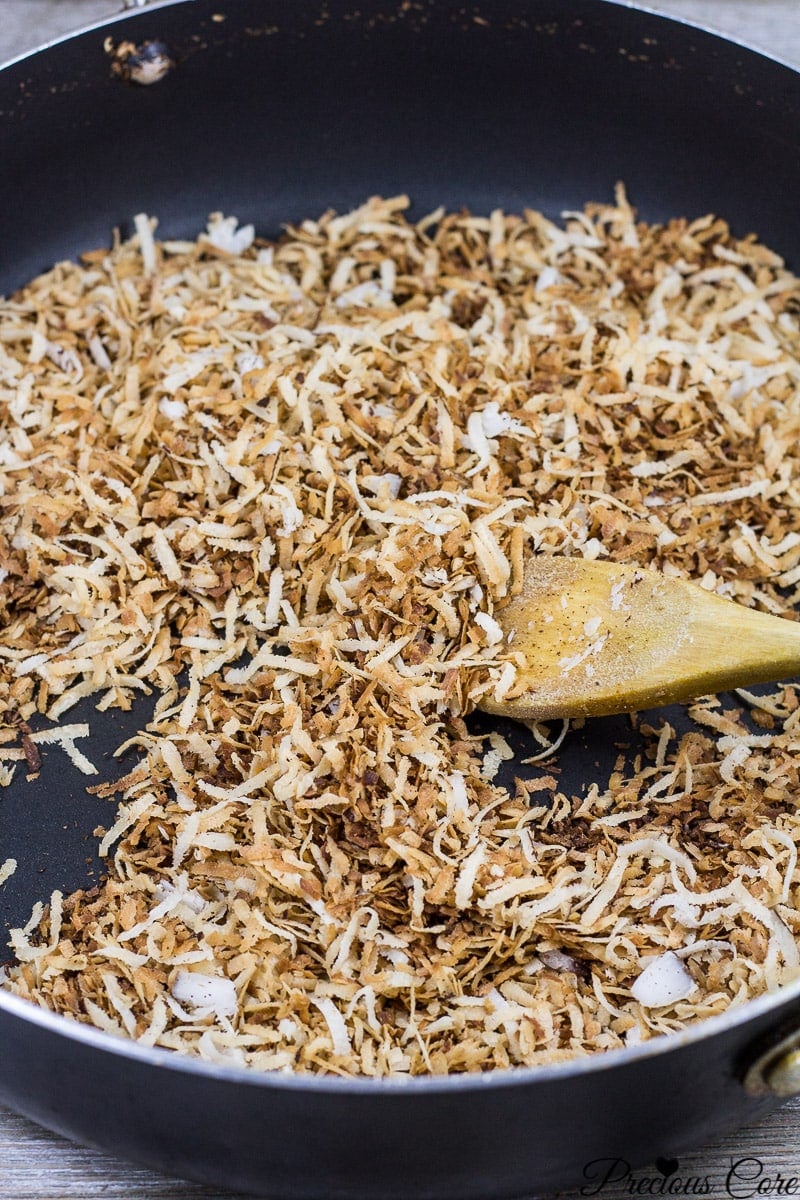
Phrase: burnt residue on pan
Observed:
(143, 64)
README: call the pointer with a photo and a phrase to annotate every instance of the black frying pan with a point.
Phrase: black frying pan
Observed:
(276, 112)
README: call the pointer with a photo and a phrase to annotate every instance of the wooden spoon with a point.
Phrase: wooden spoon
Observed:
(592, 638)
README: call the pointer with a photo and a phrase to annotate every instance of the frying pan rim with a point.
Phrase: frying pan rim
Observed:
(160, 1058)
(163, 1059)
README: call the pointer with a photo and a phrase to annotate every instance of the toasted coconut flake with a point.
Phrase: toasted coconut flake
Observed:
(664, 981)
(465, 883)
(223, 234)
(336, 1024)
(144, 230)
(205, 991)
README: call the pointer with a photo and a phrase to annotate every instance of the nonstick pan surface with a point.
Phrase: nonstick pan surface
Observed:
(274, 111)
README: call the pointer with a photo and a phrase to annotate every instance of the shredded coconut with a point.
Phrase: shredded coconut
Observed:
(287, 488)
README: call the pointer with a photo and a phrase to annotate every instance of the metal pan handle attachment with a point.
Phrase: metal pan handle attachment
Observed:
(775, 1071)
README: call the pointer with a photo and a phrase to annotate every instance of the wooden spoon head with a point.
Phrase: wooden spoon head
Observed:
(593, 638)
(585, 634)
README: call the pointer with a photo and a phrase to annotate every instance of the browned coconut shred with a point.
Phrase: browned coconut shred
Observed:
(285, 489)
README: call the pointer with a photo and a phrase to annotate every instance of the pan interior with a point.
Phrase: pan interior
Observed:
(281, 111)
(275, 112)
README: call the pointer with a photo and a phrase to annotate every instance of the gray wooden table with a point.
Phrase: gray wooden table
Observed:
(759, 1161)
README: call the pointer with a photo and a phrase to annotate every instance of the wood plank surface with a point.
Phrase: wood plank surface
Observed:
(763, 1160)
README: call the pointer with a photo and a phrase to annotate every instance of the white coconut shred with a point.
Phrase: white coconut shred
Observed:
(286, 488)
